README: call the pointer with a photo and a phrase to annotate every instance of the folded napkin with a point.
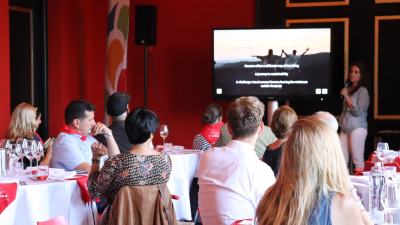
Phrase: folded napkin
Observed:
(8, 192)
(64, 175)
(55, 170)
(360, 179)
(82, 183)
(9, 180)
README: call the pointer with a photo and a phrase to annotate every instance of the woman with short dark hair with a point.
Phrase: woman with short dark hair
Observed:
(139, 166)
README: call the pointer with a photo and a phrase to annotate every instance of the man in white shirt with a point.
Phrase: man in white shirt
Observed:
(232, 179)
(72, 148)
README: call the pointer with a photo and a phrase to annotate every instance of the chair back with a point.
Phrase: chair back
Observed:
(142, 205)
(58, 220)
(368, 165)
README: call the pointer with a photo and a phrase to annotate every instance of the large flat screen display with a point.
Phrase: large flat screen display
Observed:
(291, 63)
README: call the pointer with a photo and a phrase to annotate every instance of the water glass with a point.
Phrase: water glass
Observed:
(390, 198)
(390, 171)
(8, 173)
(43, 171)
(18, 168)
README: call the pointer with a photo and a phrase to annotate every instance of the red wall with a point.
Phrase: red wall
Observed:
(182, 58)
(4, 68)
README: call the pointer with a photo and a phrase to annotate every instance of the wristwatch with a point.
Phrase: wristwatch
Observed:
(108, 135)
(95, 160)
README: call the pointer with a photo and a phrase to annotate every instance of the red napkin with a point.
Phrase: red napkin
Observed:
(8, 192)
(68, 130)
(82, 183)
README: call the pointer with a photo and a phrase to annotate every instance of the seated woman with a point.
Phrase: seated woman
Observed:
(212, 123)
(24, 122)
(312, 186)
(282, 120)
(139, 166)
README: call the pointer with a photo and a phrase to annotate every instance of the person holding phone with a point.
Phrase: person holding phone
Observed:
(72, 148)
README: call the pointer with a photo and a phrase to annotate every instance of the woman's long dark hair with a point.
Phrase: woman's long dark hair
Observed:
(365, 75)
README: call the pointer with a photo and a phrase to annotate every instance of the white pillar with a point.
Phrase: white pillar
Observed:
(272, 106)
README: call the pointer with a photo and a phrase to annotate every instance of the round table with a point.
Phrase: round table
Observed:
(43, 200)
(185, 165)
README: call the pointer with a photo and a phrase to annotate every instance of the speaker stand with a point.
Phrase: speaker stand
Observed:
(145, 76)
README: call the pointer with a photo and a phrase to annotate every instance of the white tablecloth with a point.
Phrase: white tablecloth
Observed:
(43, 200)
(185, 165)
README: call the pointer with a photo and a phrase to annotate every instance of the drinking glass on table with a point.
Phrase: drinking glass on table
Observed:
(18, 168)
(39, 152)
(15, 153)
(23, 143)
(30, 152)
(382, 151)
(390, 198)
(164, 132)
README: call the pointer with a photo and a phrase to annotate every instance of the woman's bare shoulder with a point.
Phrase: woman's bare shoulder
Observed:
(345, 210)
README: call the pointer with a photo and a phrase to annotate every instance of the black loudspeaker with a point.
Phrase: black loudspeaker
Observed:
(146, 25)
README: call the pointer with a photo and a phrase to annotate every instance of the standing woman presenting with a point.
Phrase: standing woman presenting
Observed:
(353, 120)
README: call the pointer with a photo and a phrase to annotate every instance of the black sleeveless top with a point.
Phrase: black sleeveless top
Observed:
(273, 158)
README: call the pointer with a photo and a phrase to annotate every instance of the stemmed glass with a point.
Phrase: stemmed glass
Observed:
(382, 151)
(39, 152)
(6, 145)
(164, 132)
(30, 152)
(390, 198)
(22, 142)
(15, 154)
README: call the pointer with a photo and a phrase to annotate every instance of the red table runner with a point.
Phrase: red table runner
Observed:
(8, 192)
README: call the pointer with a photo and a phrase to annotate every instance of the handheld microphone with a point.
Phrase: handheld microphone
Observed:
(346, 85)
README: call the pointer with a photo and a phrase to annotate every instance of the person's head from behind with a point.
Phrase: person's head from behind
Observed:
(294, 52)
(140, 125)
(270, 52)
(23, 122)
(328, 118)
(212, 115)
(312, 166)
(282, 120)
(118, 106)
(79, 115)
(245, 116)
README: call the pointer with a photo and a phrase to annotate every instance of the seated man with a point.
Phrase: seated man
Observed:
(266, 138)
(232, 179)
(72, 148)
(117, 109)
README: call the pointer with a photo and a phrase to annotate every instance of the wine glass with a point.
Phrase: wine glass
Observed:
(6, 145)
(15, 154)
(22, 142)
(382, 151)
(30, 152)
(390, 198)
(39, 152)
(164, 132)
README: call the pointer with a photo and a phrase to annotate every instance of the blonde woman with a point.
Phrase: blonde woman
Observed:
(25, 120)
(282, 121)
(312, 186)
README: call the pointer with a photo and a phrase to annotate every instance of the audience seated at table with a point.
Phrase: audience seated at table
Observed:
(138, 167)
(312, 186)
(24, 122)
(264, 139)
(209, 134)
(232, 179)
(282, 121)
(118, 109)
(72, 148)
(328, 118)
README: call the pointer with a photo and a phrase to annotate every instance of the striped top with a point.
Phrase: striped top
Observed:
(201, 143)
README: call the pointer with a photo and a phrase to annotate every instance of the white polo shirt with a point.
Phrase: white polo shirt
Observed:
(69, 151)
(232, 181)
